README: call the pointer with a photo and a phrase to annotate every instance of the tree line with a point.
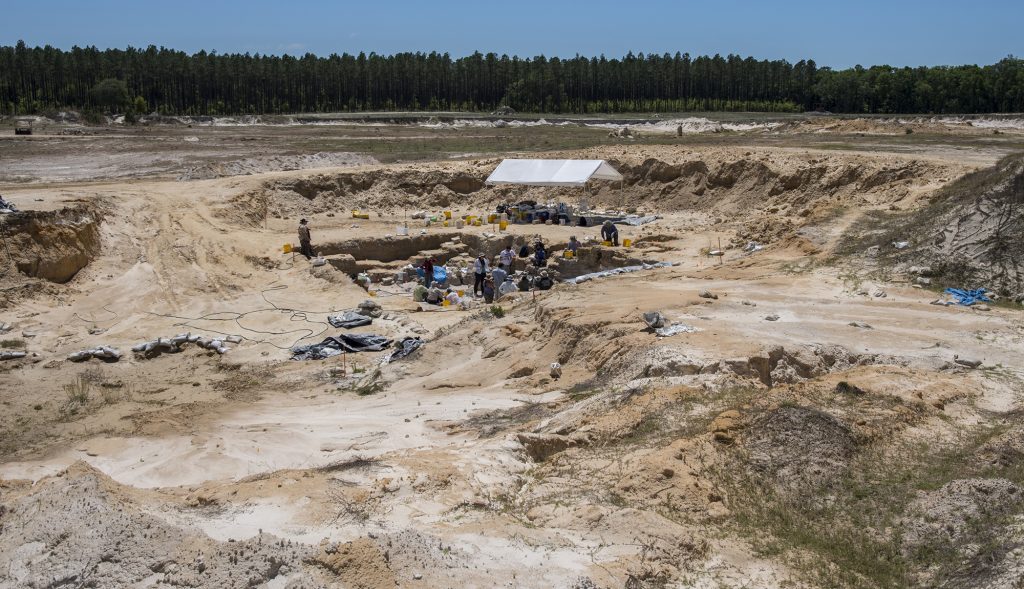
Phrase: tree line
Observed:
(37, 79)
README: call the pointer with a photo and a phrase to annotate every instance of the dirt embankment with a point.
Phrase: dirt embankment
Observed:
(52, 245)
(967, 236)
(771, 194)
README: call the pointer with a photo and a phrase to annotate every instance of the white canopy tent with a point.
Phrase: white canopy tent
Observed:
(553, 172)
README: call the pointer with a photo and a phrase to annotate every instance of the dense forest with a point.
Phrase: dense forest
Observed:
(38, 79)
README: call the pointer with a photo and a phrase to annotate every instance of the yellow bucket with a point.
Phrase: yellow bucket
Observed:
(470, 219)
(287, 248)
(502, 225)
(606, 243)
(627, 242)
(492, 218)
(446, 303)
(568, 254)
(360, 215)
(461, 293)
(446, 223)
(447, 214)
(477, 223)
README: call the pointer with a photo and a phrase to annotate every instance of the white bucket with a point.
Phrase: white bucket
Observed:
(401, 230)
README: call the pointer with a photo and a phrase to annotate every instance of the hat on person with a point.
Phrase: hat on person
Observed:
(303, 221)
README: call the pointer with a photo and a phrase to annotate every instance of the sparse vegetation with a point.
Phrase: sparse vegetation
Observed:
(13, 344)
(497, 311)
(854, 538)
(77, 394)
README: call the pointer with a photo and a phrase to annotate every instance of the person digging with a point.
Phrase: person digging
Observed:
(609, 232)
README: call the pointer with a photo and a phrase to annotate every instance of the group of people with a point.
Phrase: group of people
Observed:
(491, 284)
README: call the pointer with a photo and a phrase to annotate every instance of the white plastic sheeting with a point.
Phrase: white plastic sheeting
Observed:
(552, 172)
(617, 271)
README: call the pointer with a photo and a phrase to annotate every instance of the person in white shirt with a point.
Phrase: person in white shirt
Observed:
(507, 257)
(452, 297)
(480, 273)
(507, 287)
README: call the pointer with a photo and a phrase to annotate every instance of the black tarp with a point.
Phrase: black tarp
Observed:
(333, 346)
(405, 347)
(349, 319)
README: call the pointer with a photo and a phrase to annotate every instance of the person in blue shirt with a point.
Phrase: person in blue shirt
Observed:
(540, 255)
(499, 274)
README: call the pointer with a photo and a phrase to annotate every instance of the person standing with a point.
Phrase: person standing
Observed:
(488, 290)
(479, 273)
(499, 275)
(304, 239)
(507, 257)
(428, 272)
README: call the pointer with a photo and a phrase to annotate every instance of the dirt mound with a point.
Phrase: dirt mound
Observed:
(798, 448)
(360, 564)
(971, 521)
(52, 245)
(95, 536)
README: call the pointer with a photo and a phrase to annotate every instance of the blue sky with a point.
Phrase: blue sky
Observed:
(835, 33)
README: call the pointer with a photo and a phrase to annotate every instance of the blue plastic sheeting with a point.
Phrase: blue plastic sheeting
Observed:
(440, 273)
(968, 297)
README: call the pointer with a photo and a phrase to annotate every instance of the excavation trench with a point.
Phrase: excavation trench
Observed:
(382, 258)
(51, 245)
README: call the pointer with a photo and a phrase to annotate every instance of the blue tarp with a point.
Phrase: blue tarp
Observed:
(440, 273)
(968, 297)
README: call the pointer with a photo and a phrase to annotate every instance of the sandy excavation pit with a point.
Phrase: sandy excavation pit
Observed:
(811, 370)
